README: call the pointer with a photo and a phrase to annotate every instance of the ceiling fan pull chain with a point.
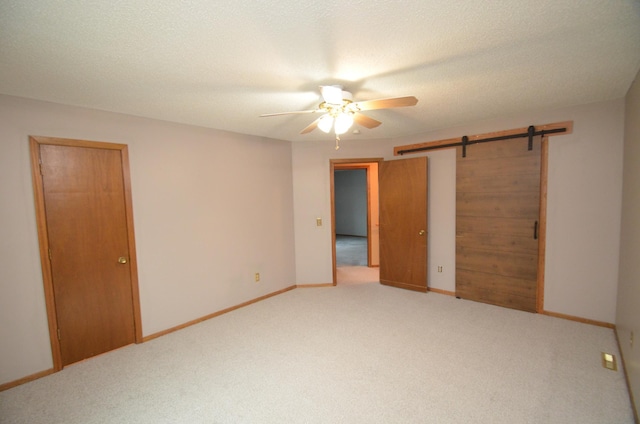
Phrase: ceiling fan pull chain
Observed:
(337, 141)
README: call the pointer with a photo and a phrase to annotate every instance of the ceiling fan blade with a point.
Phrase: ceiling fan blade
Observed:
(290, 113)
(331, 94)
(365, 121)
(386, 103)
(312, 126)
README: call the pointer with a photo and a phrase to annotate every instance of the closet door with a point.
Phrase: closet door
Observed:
(82, 193)
(403, 223)
(497, 220)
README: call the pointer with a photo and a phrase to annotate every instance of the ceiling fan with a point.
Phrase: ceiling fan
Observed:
(340, 111)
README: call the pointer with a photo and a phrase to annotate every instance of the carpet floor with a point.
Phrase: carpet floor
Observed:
(351, 251)
(361, 353)
(357, 275)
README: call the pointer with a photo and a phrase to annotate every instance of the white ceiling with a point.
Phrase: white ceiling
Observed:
(221, 63)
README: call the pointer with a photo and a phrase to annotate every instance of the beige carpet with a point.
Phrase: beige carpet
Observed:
(357, 275)
(355, 353)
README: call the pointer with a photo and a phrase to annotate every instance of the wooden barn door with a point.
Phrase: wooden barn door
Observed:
(87, 235)
(403, 223)
(497, 223)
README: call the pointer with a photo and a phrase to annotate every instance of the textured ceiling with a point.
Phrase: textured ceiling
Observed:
(220, 64)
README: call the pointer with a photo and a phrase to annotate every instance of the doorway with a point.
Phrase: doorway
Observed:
(351, 201)
(354, 220)
(87, 247)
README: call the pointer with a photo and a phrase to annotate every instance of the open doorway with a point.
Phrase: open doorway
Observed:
(350, 206)
(354, 221)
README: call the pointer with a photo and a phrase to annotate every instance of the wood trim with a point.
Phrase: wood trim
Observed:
(43, 239)
(133, 258)
(542, 229)
(363, 163)
(23, 380)
(404, 286)
(579, 319)
(440, 291)
(354, 166)
(215, 314)
(443, 144)
(77, 143)
(332, 188)
(626, 378)
(369, 249)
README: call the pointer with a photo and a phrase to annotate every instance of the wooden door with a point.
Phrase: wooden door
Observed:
(403, 223)
(88, 247)
(497, 219)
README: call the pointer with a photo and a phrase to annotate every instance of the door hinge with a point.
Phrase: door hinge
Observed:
(59, 338)
(40, 165)
(49, 254)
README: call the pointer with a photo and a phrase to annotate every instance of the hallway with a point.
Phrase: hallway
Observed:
(351, 261)
(351, 251)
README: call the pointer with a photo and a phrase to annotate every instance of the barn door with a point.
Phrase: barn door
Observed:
(88, 246)
(497, 223)
(403, 223)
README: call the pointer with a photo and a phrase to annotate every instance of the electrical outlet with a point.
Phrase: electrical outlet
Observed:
(440, 268)
(257, 277)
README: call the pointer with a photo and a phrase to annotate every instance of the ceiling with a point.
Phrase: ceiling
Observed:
(220, 64)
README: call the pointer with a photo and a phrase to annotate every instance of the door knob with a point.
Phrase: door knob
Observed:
(122, 260)
(421, 232)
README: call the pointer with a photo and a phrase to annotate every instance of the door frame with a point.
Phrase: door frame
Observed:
(43, 239)
(346, 164)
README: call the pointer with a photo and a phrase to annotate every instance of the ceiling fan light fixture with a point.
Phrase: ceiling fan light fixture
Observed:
(339, 111)
(325, 123)
(344, 121)
(332, 94)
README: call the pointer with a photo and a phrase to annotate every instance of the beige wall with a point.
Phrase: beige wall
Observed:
(210, 209)
(628, 316)
(583, 215)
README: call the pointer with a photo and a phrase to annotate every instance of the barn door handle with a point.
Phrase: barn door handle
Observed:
(535, 231)
(122, 260)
